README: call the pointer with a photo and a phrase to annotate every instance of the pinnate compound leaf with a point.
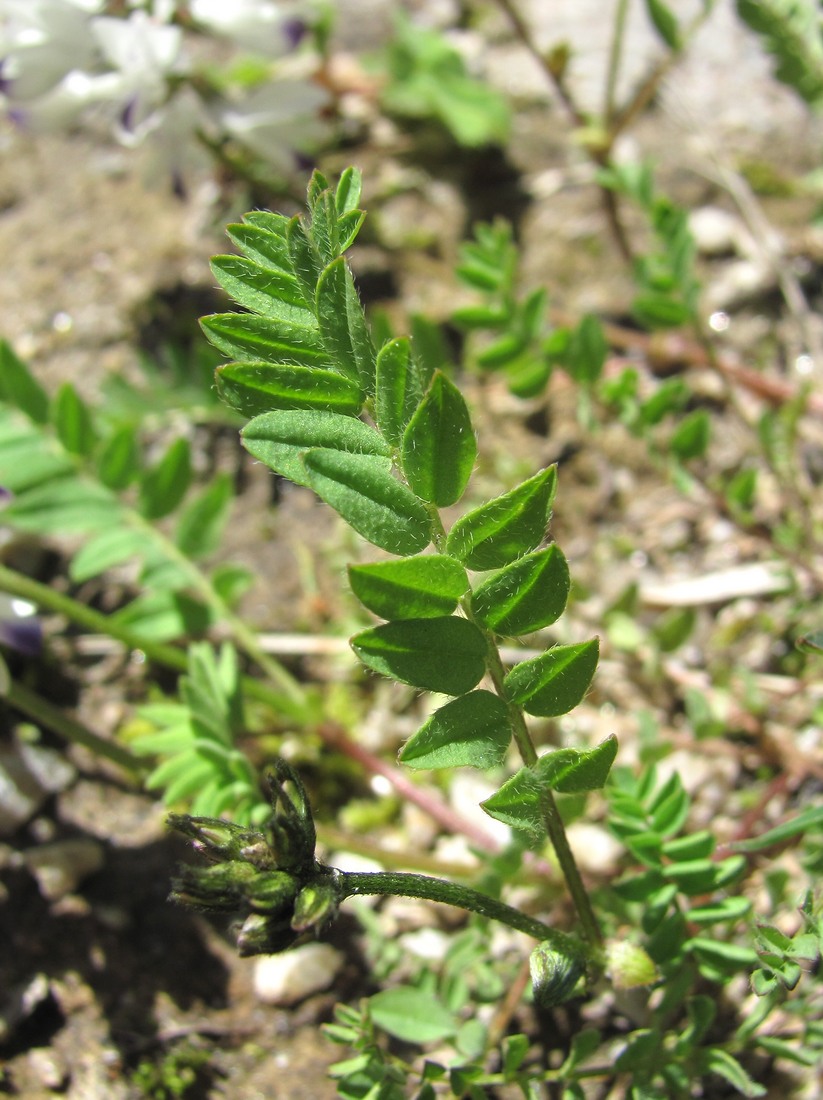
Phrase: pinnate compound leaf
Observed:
(506, 528)
(72, 421)
(202, 521)
(525, 596)
(439, 447)
(118, 461)
(255, 388)
(19, 387)
(421, 587)
(163, 486)
(110, 547)
(397, 389)
(412, 1014)
(280, 439)
(473, 730)
(251, 339)
(446, 654)
(363, 490)
(556, 681)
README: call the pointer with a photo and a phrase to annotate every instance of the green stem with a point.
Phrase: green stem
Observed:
(555, 828)
(44, 714)
(57, 602)
(615, 57)
(406, 885)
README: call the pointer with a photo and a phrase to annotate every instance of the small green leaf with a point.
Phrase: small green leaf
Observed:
(251, 339)
(691, 438)
(163, 486)
(473, 730)
(280, 439)
(556, 681)
(19, 388)
(263, 289)
(262, 238)
(722, 1064)
(447, 654)
(801, 823)
(72, 421)
(347, 195)
(421, 587)
(587, 351)
(728, 957)
(397, 389)
(362, 489)
(732, 909)
(118, 461)
(164, 616)
(412, 1014)
(518, 804)
(571, 771)
(255, 388)
(343, 325)
(202, 521)
(106, 549)
(302, 259)
(439, 447)
(525, 596)
(507, 527)
(664, 23)
(64, 506)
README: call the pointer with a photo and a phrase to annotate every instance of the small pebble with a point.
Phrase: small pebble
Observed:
(291, 977)
(59, 868)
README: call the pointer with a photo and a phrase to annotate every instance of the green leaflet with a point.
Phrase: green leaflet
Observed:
(118, 460)
(262, 289)
(19, 387)
(27, 457)
(163, 616)
(164, 485)
(569, 771)
(507, 527)
(473, 730)
(439, 447)
(363, 490)
(255, 388)
(445, 654)
(264, 243)
(343, 325)
(250, 338)
(280, 439)
(556, 681)
(525, 596)
(412, 1014)
(421, 587)
(72, 421)
(397, 389)
(110, 547)
(66, 505)
(202, 521)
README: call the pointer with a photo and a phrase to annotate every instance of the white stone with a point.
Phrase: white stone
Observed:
(294, 975)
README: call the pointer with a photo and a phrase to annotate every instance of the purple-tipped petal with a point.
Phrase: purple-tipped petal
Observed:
(294, 31)
(5, 495)
(23, 635)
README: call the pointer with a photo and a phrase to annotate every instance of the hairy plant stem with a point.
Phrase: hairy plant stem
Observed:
(407, 885)
(552, 820)
(52, 718)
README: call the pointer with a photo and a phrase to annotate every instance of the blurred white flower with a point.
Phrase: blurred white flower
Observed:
(278, 120)
(261, 26)
(41, 41)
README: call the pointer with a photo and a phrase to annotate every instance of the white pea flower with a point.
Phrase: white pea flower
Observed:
(261, 26)
(277, 121)
(41, 41)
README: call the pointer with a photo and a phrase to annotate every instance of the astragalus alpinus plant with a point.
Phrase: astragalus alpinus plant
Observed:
(389, 444)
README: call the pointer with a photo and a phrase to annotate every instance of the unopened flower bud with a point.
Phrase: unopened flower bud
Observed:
(271, 892)
(628, 965)
(555, 974)
(316, 904)
(220, 887)
(262, 935)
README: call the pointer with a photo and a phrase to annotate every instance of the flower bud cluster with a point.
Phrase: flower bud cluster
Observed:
(270, 878)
